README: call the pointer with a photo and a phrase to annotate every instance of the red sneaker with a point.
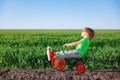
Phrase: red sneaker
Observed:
(49, 53)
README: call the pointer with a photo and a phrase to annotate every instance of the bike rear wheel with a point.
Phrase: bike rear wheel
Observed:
(80, 67)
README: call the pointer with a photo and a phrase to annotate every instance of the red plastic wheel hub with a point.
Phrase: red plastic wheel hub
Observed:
(59, 64)
(80, 67)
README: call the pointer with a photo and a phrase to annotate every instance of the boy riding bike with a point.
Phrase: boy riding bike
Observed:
(82, 47)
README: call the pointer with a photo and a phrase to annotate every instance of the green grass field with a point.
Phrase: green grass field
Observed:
(27, 48)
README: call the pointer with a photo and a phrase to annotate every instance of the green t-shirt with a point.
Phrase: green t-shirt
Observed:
(83, 46)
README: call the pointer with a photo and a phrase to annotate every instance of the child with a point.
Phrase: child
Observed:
(80, 50)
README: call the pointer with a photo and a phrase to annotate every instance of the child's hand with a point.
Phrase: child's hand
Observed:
(65, 45)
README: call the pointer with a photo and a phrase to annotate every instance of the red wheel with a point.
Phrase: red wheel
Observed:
(59, 64)
(80, 67)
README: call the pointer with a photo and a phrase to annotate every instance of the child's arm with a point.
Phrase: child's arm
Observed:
(71, 44)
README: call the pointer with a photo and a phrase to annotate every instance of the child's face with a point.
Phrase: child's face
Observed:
(83, 34)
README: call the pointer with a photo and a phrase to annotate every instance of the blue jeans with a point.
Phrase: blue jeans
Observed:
(68, 54)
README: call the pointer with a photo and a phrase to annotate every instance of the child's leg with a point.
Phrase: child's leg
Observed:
(68, 54)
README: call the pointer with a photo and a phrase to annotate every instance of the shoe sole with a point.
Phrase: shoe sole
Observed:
(48, 53)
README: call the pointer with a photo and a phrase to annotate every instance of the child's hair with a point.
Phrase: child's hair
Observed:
(90, 32)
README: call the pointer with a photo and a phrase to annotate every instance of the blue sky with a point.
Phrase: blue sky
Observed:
(59, 14)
